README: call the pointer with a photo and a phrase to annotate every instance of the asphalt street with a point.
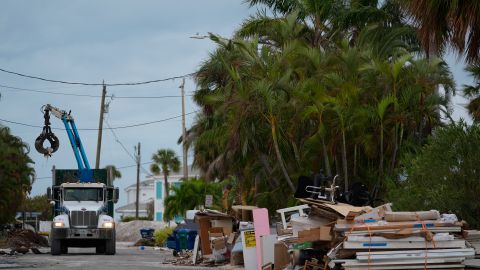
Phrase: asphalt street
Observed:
(85, 258)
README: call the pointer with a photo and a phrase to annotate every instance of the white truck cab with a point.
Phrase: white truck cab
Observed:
(82, 219)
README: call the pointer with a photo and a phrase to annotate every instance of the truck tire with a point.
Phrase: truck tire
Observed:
(56, 247)
(64, 248)
(110, 245)
(100, 249)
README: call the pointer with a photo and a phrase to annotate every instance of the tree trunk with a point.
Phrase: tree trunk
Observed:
(165, 184)
(395, 149)
(279, 155)
(326, 160)
(344, 161)
(380, 165)
(271, 180)
(355, 160)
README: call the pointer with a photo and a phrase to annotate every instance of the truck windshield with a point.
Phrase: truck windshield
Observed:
(83, 194)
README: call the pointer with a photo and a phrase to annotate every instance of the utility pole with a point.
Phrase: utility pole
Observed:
(184, 133)
(138, 179)
(100, 126)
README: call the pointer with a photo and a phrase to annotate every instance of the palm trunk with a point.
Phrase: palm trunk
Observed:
(279, 155)
(355, 160)
(380, 166)
(165, 184)
(395, 149)
(344, 161)
(271, 180)
(326, 160)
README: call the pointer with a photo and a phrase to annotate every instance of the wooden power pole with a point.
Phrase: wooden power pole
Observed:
(100, 127)
(184, 133)
(138, 180)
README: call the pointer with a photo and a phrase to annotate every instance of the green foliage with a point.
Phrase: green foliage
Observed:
(16, 174)
(444, 175)
(131, 218)
(190, 195)
(41, 204)
(165, 161)
(116, 173)
(161, 236)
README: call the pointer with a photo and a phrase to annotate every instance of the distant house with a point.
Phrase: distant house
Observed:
(151, 189)
(146, 195)
(174, 180)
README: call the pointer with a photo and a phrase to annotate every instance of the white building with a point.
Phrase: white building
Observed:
(146, 195)
(151, 189)
(173, 181)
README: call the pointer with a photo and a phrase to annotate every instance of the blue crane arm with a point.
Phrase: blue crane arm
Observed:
(86, 174)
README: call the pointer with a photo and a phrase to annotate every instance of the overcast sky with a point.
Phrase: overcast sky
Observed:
(115, 41)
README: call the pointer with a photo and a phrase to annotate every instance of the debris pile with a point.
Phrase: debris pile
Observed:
(18, 238)
(321, 234)
(129, 231)
(400, 240)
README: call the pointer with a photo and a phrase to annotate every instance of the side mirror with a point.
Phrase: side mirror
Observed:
(49, 193)
(116, 195)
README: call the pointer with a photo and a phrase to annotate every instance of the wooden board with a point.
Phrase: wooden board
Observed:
(195, 249)
(404, 245)
(401, 267)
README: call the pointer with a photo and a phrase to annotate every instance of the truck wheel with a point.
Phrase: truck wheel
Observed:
(56, 247)
(110, 245)
(64, 249)
(100, 249)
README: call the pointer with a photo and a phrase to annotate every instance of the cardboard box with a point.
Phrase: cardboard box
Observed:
(281, 256)
(225, 224)
(218, 244)
(319, 234)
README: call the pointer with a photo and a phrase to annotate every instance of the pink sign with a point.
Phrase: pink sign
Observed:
(262, 227)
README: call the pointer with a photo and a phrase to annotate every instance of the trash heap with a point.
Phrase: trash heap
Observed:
(319, 234)
(382, 239)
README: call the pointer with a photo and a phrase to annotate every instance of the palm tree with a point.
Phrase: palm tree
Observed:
(442, 23)
(115, 172)
(165, 161)
(473, 92)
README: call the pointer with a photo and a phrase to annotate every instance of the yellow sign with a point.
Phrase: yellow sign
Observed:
(249, 238)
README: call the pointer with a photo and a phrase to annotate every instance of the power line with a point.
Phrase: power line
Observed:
(123, 146)
(95, 84)
(95, 129)
(7, 87)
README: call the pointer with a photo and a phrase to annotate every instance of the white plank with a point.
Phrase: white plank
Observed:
(431, 251)
(404, 245)
(401, 267)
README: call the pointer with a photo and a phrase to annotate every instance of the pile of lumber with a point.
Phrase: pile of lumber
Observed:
(473, 239)
(400, 240)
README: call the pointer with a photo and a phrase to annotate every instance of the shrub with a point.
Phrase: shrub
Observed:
(130, 218)
(161, 236)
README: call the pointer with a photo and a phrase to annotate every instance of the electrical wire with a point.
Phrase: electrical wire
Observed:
(123, 146)
(7, 87)
(96, 129)
(96, 84)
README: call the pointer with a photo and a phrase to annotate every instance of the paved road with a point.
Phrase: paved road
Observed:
(80, 259)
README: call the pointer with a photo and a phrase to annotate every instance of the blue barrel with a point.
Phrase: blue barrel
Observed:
(185, 239)
(147, 233)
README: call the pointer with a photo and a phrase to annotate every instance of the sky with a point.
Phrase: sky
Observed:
(114, 41)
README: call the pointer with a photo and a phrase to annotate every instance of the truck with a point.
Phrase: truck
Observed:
(82, 199)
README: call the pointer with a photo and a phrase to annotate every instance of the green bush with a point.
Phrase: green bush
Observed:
(130, 218)
(444, 175)
(161, 236)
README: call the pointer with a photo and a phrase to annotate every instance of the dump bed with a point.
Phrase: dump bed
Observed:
(104, 176)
